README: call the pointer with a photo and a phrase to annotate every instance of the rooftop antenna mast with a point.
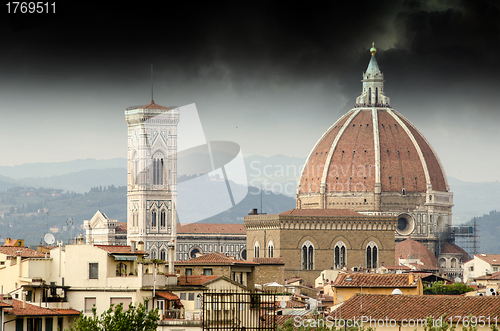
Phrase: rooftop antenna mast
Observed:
(152, 100)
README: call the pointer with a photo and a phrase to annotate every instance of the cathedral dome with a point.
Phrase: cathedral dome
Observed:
(375, 161)
(372, 147)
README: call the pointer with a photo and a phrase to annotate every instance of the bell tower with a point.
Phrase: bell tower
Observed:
(152, 177)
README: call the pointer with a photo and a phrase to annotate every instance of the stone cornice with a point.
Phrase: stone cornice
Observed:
(341, 223)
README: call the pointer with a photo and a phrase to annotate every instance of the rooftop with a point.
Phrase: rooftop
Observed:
(119, 249)
(493, 259)
(214, 258)
(411, 249)
(195, 280)
(493, 276)
(376, 280)
(269, 260)
(395, 307)
(320, 212)
(21, 251)
(211, 228)
(32, 310)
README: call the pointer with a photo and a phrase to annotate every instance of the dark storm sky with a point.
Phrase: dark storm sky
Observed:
(270, 76)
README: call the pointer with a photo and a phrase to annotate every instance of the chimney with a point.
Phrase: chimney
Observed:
(171, 257)
(410, 278)
(18, 261)
(253, 212)
(140, 246)
(80, 240)
(132, 246)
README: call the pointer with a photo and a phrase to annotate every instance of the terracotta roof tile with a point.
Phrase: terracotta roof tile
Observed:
(24, 251)
(118, 249)
(375, 280)
(68, 311)
(211, 228)
(195, 280)
(293, 280)
(269, 260)
(30, 310)
(396, 307)
(493, 259)
(455, 249)
(121, 227)
(167, 295)
(410, 248)
(355, 145)
(493, 276)
(292, 304)
(214, 258)
(153, 105)
(321, 212)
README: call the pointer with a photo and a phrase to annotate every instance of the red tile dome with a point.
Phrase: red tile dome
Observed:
(369, 147)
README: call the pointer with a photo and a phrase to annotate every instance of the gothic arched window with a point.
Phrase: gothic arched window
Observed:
(339, 255)
(256, 249)
(162, 255)
(162, 218)
(134, 218)
(308, 256)
(153, 219)
(158, 169)
(371, 255)
(270, 249)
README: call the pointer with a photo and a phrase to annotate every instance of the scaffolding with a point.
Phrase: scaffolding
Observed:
(467, 237)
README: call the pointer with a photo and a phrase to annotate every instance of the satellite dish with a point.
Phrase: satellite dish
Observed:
(49, 238)
(397, 291)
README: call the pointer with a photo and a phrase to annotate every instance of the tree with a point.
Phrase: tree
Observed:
(117, 319)
(450, 289)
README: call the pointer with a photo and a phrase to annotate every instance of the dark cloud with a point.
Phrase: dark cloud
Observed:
(256, 64)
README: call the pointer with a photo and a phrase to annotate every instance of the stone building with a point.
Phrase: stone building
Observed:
(194, 238)
(311, 241)
(104, 231)
(374, 161)
(152, 177)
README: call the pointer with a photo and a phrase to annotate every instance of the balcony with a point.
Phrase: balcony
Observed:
(148, 280)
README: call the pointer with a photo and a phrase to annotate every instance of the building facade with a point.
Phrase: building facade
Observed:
(152, 177)
(195, 238)
(104, 231)
(311, 241)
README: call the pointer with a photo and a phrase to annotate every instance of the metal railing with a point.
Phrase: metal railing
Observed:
(230, 310)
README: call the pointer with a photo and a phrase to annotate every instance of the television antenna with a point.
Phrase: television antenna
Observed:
(69, 222)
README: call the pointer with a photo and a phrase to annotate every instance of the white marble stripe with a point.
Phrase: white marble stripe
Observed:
(417, 147)
(430, 146)
(312, 150)
(334, 145)
(376, 145)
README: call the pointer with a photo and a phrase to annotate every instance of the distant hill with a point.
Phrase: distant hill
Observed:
(473, 199)
(49, 169)
(277, 173)
(488, 229)
(29, 213)
(80, 181)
